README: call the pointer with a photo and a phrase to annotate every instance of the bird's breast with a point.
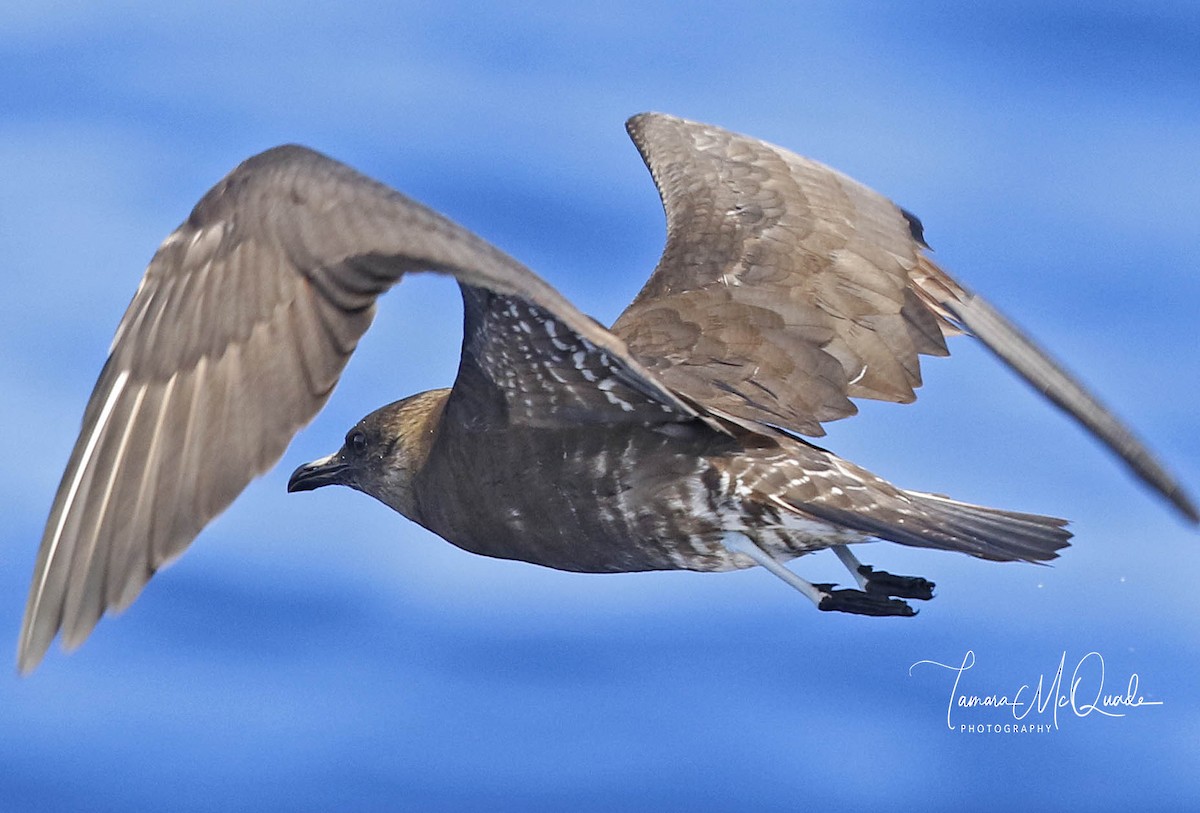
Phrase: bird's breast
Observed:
(593, 499)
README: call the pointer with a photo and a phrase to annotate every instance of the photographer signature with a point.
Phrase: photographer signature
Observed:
(1083, 695)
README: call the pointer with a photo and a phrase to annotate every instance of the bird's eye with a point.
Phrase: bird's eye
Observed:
(356, 442)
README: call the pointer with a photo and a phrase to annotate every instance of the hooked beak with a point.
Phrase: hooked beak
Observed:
(324, 472)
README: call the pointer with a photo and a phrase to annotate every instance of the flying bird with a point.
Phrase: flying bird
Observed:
(672, 440)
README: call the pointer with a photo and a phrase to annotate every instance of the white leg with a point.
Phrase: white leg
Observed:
(824, 597)
(852, 564)
(740, 543)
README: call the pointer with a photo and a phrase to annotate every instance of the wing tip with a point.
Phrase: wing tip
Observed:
(1041, 371)
(1184, 504)
(30, 652)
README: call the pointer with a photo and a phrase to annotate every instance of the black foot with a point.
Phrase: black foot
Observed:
(882, 583)
(858, 602)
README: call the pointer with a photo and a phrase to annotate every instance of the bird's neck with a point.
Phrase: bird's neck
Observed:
(415, 428)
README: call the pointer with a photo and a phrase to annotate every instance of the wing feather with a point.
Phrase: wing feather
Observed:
(234, 339)
(751, 222)
(747, 221)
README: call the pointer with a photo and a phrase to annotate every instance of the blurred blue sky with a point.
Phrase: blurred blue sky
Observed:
(318, 652)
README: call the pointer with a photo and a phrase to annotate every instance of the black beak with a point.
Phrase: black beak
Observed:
(324, 472)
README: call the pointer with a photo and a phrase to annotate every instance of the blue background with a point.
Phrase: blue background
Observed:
(318, 652)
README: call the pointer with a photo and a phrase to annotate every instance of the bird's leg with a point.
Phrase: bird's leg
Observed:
(824, 596)
(856, 568)
(739, 543)
(882, 583)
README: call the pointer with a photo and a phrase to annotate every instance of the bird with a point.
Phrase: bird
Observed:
(678, 438)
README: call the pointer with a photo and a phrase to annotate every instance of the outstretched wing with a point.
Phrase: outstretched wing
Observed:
(235, 339)
(786, 289)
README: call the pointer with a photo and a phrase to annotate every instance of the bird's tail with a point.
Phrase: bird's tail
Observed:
(993, 533)
(936, 521)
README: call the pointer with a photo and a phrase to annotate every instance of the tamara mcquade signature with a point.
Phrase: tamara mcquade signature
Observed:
(1034, 708)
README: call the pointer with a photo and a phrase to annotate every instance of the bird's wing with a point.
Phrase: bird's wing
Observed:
(234, 340)
(522, 365)
(786, 288)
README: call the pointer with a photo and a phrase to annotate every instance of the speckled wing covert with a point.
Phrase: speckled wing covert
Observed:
(786, 288)
(235, 339)
(521, 366)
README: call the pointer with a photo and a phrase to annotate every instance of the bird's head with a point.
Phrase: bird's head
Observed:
(382, 454)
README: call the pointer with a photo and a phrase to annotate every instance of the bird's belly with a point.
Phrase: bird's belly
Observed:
(578, 529)
(587, 502)
(640, 503)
